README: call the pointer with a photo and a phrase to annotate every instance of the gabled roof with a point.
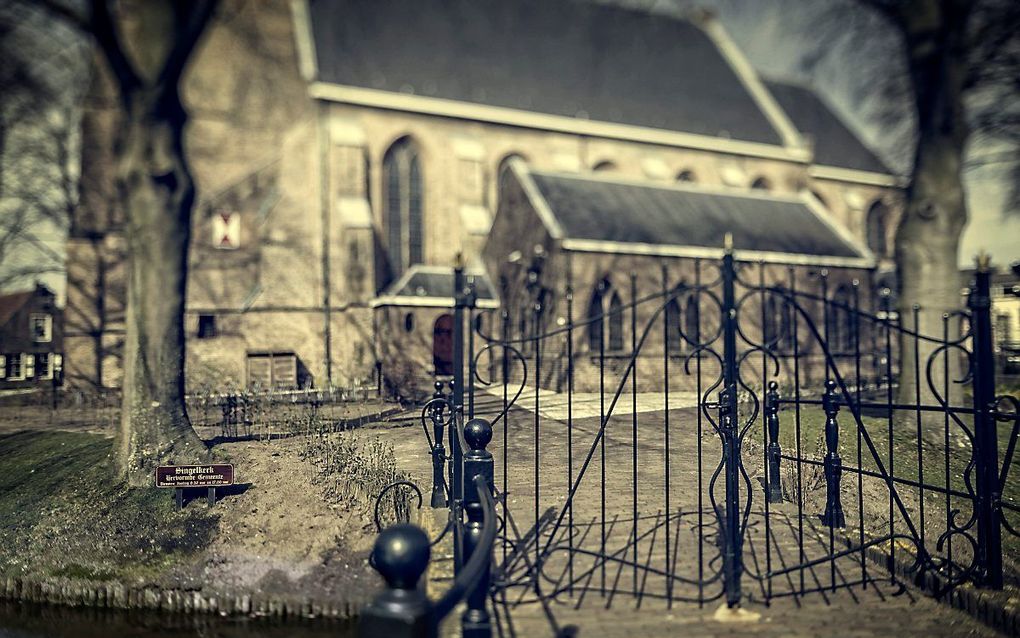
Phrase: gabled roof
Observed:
(834, 143)
(12, 303)
(423, 285)
(593, 213)
(575, 59)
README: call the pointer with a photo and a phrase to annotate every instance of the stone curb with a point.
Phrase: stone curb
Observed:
(62, 591)
(997, 609)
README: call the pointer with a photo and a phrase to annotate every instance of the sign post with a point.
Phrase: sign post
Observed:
(181, 477)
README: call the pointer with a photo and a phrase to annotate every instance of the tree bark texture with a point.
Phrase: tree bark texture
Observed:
(158, 193)
(928, 236)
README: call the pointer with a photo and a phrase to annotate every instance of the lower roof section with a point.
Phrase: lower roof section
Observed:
(595, 213)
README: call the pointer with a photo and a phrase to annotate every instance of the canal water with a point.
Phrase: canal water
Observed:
(26, 620)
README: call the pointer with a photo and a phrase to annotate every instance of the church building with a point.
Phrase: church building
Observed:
(346, 152)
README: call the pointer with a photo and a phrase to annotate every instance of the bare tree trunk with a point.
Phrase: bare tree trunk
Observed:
(927, 253)
(158, 192)
(928, 237)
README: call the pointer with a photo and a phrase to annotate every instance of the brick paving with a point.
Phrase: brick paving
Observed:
(626, 594)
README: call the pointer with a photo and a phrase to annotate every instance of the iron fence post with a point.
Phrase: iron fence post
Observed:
(986, 452)
(732, 555)
(775, 483)
(833, 464)
(438, 451)
(475, 621)
(460, 304)
(400, 555)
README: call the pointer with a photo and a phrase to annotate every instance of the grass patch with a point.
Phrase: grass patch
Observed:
(901, 460)
(64, 513)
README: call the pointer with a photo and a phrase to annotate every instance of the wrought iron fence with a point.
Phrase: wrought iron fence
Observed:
(791, 434)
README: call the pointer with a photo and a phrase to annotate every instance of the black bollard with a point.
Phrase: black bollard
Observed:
(475, 622)
(400, 555)
(437, 414)
(833, 465)
(774, 485)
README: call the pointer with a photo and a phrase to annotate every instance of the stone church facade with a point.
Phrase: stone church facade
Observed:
(346, 151)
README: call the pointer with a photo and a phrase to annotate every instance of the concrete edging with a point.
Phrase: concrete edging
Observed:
(996, 609)
(64, 591)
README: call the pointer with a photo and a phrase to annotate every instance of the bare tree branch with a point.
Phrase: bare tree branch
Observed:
(191, 25)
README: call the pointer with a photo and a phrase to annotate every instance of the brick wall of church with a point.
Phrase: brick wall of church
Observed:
(312, 229)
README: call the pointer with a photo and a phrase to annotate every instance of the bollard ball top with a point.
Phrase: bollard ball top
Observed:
(830, 385)
(773, 386)
(401, 555)
(478, 433)
(439, 386)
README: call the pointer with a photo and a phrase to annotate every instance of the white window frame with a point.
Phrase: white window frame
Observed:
(48, 327)
(17, 356)
(3, 366)
(29, 364)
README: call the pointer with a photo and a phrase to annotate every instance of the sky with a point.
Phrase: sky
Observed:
(775, 35)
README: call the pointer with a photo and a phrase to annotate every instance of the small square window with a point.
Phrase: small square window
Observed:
(41, 327)
(206, 326)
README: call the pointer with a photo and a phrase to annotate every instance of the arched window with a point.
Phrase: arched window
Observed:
(605, 165)
(777, 328)
(403, 205)
(762, 184)
(501, 174)
(615, 322)
(692, 320)
(842, 322)
(877, 228)
(673, 327)
(595, 318)
(686, 175)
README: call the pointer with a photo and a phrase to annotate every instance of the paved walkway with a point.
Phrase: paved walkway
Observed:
(606, 584)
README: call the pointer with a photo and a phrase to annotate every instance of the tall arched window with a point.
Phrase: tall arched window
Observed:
(403, 205)
(595, 318)
(877, 228)
(842, 322)
(501, 174)
(777, 328)
(686, 175)
(692, 320)
(761, 184)
(673, 327)
(605, 165)
(615, 322)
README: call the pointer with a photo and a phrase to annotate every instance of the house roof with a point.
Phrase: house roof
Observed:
(591, 212)
(13, 302)
(576, 59)
(423, 285)
(834, 143)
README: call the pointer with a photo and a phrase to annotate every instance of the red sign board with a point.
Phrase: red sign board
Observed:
(194, 475)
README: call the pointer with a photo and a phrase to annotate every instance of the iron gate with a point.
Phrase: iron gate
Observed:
(725, 480)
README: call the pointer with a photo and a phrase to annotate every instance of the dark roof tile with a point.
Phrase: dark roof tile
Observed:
(597, 209)
(834, 143)
(575, 59)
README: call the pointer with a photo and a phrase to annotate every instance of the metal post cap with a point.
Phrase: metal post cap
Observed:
(477, 433)
(401, 555)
